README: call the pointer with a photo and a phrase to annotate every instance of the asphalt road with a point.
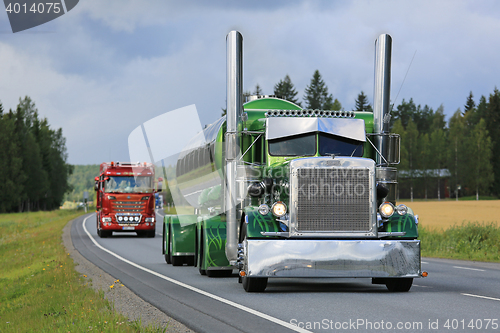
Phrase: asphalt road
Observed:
(457, 296)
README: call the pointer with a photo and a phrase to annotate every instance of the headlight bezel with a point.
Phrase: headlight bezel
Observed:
(279, 209)
(402, 209)
(386, 210)
(264, 209)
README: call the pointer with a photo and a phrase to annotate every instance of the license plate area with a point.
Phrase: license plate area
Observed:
(128, 228)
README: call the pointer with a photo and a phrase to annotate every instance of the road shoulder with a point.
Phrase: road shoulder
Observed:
(125, 301)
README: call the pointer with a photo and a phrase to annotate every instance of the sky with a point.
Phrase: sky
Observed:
(106, 67)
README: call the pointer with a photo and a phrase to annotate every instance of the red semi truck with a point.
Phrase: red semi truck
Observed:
(125, 198)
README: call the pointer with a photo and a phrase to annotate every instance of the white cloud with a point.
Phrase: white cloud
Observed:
(110, 66)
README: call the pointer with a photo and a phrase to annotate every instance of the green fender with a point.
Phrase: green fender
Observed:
(256, 223)
(214, 241)
(183, 233)
(403, 223)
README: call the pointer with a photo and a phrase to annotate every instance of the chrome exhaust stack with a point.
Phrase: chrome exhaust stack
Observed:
(382, 96)
(234, 100)
(386, 144)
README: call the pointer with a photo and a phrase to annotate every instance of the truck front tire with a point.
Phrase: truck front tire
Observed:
(399, 285)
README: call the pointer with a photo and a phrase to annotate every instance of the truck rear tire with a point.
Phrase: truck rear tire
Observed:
(399, 285)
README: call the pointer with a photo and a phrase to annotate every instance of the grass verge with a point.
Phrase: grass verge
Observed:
(40, 289)
(469, 241)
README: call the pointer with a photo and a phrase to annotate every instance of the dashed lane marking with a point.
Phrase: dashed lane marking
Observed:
(485, 297)
(471, 269)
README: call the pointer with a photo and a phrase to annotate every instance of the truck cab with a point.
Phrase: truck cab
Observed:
(125, 199)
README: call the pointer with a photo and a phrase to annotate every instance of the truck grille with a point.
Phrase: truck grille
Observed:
(128, 206)
(333, 200)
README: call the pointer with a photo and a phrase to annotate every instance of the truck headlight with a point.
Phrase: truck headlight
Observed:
(106, 219)
(264, 209)
(386, 209)
(279, 209)
(402, 209)
(150, 219)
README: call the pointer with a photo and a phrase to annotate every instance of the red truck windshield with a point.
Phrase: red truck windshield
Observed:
(128, 184)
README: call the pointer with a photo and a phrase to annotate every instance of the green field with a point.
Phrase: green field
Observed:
(40, 289)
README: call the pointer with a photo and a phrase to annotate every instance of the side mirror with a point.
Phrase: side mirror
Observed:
(394, 144)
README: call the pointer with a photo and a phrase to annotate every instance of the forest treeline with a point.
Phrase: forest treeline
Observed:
(81, 180)
(439, 158)
(33, 169)
(454, 158)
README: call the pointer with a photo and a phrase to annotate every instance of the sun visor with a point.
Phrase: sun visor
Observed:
(281, 127)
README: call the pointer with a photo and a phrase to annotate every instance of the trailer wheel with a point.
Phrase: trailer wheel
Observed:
(399, 285)
(166, 245)
(175, 261)
(190, 260)
(200, 258)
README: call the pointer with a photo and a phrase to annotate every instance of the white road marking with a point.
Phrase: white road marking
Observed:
(416, 285)
(424, 262)
(199, 291)
(471, 269)
(485, 297)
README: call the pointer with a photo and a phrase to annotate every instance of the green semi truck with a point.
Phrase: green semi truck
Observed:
(281, 191)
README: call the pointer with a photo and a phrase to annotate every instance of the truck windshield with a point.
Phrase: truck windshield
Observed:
(128, 184)
(302, 145)
(330, 144)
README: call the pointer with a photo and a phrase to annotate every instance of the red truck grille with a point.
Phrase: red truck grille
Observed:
(128, 206)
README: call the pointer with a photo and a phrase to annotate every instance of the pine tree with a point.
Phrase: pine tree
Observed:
(336, 106)
(258, 90)
(316, 94)
(470, 105)
(361, 103)
(285, 89)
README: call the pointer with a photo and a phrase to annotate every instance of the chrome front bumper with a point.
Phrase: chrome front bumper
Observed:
(332, 258)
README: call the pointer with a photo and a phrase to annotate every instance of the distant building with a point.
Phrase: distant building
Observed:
(430, 183)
